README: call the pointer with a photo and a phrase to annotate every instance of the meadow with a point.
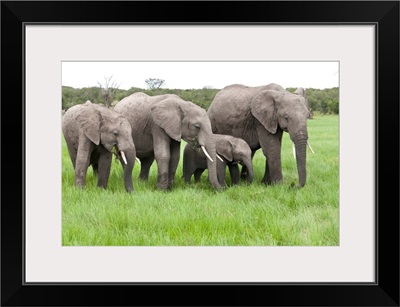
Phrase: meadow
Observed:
(196, 215)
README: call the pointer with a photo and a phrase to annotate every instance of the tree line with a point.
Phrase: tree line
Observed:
(324, 101)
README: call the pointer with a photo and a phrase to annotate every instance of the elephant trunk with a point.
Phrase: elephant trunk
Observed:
(301, 146)
(249, 165)
(130, 156)
(212, 165)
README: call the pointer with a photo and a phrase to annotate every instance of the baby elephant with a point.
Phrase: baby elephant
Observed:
(93, 133)
(230, 152)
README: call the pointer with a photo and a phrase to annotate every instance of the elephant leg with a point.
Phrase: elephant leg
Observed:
(145, 164)
(221, 173)
(197, 174)
(175, 150)
(234, 171)
(95, 168)
(189, 168)
(244, 172)
(82, 161)
(72, 153)
(104, 166)
(162, 156)
(267, 177)
(94, 161)
(271, 147)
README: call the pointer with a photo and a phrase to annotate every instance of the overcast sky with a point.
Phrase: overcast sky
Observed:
(196, 75)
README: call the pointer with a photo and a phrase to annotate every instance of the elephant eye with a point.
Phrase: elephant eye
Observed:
(197, 126)
(115, 132)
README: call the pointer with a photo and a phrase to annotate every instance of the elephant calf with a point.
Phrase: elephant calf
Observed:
(231, 151)
(93, 133)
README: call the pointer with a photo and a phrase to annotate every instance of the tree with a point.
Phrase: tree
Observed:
(154, 83)
(108, 90)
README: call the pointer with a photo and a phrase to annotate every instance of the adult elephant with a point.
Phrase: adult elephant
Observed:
(231, 151)
(159, 123)
(259, 115)
(93, 133)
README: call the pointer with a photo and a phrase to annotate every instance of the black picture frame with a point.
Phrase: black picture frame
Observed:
(383, 14)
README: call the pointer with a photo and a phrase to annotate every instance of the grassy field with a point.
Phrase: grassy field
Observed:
(196, 215)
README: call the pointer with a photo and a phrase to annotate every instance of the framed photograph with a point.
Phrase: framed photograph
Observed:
(330, 240)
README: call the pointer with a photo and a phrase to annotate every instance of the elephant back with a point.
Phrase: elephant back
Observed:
(134, 107)
(69, 124)
(229, 109)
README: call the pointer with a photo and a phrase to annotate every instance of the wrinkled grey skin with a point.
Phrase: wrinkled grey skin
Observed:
(158, 125)
(91, 132)
(233, 151)
(259, 115)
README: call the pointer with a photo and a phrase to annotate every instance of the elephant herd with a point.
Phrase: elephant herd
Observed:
(239, 121)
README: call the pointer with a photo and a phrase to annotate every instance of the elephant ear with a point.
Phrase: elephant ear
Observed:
(263, 107)
(167, 114)
(300, 91)
(89, 120)
(225, 149)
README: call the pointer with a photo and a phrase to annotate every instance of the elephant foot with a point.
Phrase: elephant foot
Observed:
(295, 186)
(130, 190)
(79, 183)
(219, 189)
(271, 182)
(223, 183)
(164, 189)
(266, 182)
(79, 186)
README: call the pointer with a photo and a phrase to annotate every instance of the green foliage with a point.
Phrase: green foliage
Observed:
(324, 101)
(202, 97)
(154, 83)
(72, 96)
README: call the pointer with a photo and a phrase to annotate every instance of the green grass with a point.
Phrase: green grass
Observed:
(196, 215)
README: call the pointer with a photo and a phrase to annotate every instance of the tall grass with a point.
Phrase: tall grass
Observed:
(196, 215)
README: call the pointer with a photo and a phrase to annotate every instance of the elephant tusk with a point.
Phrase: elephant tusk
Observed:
(220, 158)
(294, 150)
(137, 159)
(123, 157)
(206, 153)
(309, 146)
